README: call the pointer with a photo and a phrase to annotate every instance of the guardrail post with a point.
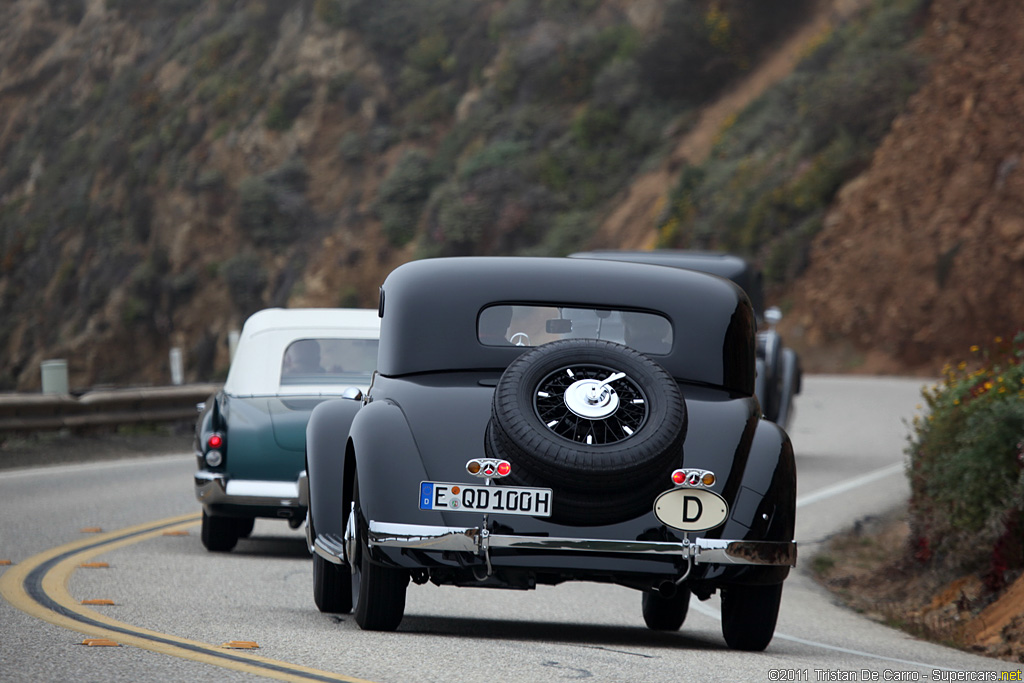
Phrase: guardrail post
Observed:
(54, 376)
(177, 367)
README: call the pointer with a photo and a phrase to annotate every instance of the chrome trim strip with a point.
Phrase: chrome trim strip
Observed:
(472, 539)
(213, 488)
(303, 487)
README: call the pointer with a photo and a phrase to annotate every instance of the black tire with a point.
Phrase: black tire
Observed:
(666, 614)
(245, 526)
(219, 534)
(604, 467)
(378, 592)
(749, 614)
(332, 586)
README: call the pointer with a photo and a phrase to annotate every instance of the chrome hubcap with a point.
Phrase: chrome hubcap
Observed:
(591, 399)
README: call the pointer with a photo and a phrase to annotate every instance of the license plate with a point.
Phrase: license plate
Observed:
(507, 500)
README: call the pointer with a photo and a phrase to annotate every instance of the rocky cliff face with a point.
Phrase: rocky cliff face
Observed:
(923, 255)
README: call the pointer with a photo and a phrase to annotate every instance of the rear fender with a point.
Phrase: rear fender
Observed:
(764, 508)
(388, 466)
(326, 434)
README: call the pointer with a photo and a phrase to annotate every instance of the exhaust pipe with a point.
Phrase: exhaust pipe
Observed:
(667, 589)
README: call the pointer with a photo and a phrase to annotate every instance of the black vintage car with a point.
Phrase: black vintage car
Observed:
(779, 375)
(534, 421)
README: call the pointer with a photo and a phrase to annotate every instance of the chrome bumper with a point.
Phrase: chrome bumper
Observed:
(476, 540)
(216, 489)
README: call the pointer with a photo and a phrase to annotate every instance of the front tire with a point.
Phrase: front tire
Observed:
(332, 586)
(219, 534)
(749, 614)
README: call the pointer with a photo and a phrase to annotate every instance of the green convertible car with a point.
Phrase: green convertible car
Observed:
(250, 436)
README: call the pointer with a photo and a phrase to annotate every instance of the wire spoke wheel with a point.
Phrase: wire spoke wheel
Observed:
(591, 404)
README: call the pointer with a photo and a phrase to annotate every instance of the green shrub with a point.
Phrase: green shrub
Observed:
(594, 125)
(70, 11)
(966, 463)
(246, 279)
(273, 208)
(348, 297)
(403, 195)
(218, 49)
(569, 232)
(502, 154)
(330, 12)
(352, 147)
(289, 102)
(430, 53)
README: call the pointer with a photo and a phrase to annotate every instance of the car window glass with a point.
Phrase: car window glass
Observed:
(329, 361)
(530, 325)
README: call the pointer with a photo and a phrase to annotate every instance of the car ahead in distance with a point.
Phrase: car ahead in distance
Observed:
(779, 375)
(250, 436)
(539, 420)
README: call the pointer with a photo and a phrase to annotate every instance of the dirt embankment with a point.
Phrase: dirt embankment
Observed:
(872, 570)
(923, 255)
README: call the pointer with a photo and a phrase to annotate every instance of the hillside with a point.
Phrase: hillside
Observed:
(215, 158)
(172, 166)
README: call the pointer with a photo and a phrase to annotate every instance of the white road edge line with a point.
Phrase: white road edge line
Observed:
(848, 485)
(709, 612)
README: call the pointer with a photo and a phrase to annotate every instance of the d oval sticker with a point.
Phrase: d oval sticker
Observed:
(691, 509)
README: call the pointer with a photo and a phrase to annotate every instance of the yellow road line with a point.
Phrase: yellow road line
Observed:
(39, 587)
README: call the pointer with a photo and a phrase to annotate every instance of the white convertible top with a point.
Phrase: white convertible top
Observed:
(256, 367)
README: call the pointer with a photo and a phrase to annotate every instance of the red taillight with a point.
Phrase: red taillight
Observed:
(504, 468)
(679, 477)
(215, 441)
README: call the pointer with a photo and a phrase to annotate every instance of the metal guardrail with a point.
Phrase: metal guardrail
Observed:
(39, 412)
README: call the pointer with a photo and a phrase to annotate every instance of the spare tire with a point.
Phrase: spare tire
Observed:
(599, 423)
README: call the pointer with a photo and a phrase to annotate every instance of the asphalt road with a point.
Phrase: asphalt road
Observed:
(175, 605)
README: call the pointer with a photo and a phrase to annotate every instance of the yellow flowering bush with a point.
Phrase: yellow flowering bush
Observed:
(966, 464)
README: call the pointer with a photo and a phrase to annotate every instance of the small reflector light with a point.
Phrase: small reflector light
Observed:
(473, 466)
(215, 441)
(679, 476)
(455, 490)
(504, 468)
(708, 479)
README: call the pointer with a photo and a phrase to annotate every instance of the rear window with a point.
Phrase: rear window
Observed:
(526, 325)
(329, 361)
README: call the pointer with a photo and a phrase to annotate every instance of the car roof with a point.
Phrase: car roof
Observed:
(430, 310)
(256, 367)
(730, 266)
